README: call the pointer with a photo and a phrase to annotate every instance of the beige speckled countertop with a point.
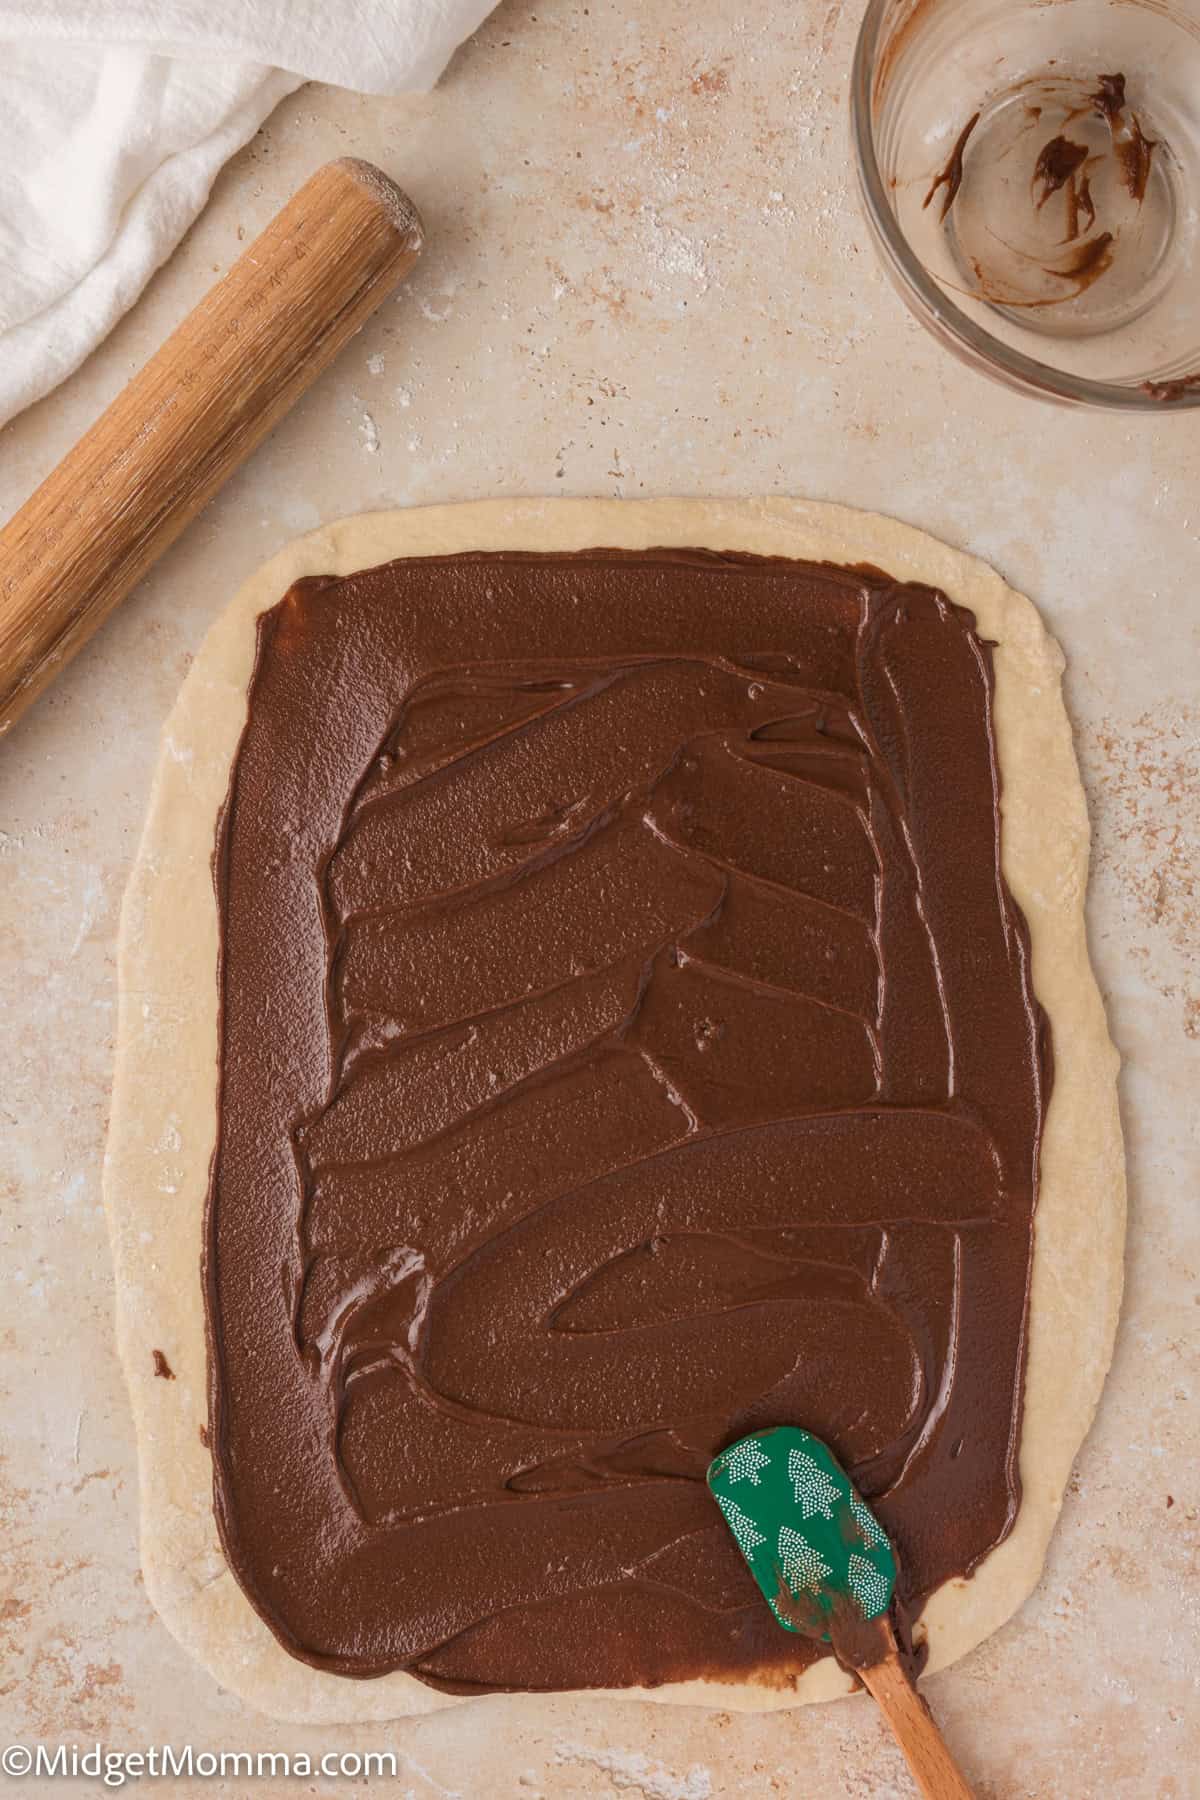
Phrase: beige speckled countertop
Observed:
(646, 274)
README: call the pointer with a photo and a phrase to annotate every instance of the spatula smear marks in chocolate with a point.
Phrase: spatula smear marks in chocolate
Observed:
(627, 1043)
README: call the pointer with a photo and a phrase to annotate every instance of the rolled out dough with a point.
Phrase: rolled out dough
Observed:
(164, 1101)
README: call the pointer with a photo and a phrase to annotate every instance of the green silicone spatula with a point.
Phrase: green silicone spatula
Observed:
(826, 1570)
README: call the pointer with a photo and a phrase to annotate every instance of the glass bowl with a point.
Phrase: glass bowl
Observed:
(1030, 171)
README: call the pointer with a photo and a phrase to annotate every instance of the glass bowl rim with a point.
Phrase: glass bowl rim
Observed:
(929, 301)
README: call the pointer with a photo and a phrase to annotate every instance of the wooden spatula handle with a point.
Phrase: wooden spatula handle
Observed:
(197, 410)
(914, 1729)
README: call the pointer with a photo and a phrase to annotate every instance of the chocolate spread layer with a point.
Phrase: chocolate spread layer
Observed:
(627, 1043)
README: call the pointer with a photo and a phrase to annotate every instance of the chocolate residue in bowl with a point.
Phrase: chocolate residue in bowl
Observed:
(162, 1367)
(1079, 201)
(1109, 98)
(1085, 266)
(1057, 164)
(1131, 147)
(1169, 391)
(1089, 262)
(1010, 252)
(951, 176)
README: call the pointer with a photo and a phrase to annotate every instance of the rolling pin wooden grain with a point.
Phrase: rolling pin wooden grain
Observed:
(202, 403)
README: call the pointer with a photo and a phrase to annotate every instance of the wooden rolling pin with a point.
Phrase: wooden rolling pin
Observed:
(193, 414)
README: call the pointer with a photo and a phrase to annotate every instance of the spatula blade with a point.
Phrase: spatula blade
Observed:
(810, 1539)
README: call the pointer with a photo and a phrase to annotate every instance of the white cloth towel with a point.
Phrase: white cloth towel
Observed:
(115, 116)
